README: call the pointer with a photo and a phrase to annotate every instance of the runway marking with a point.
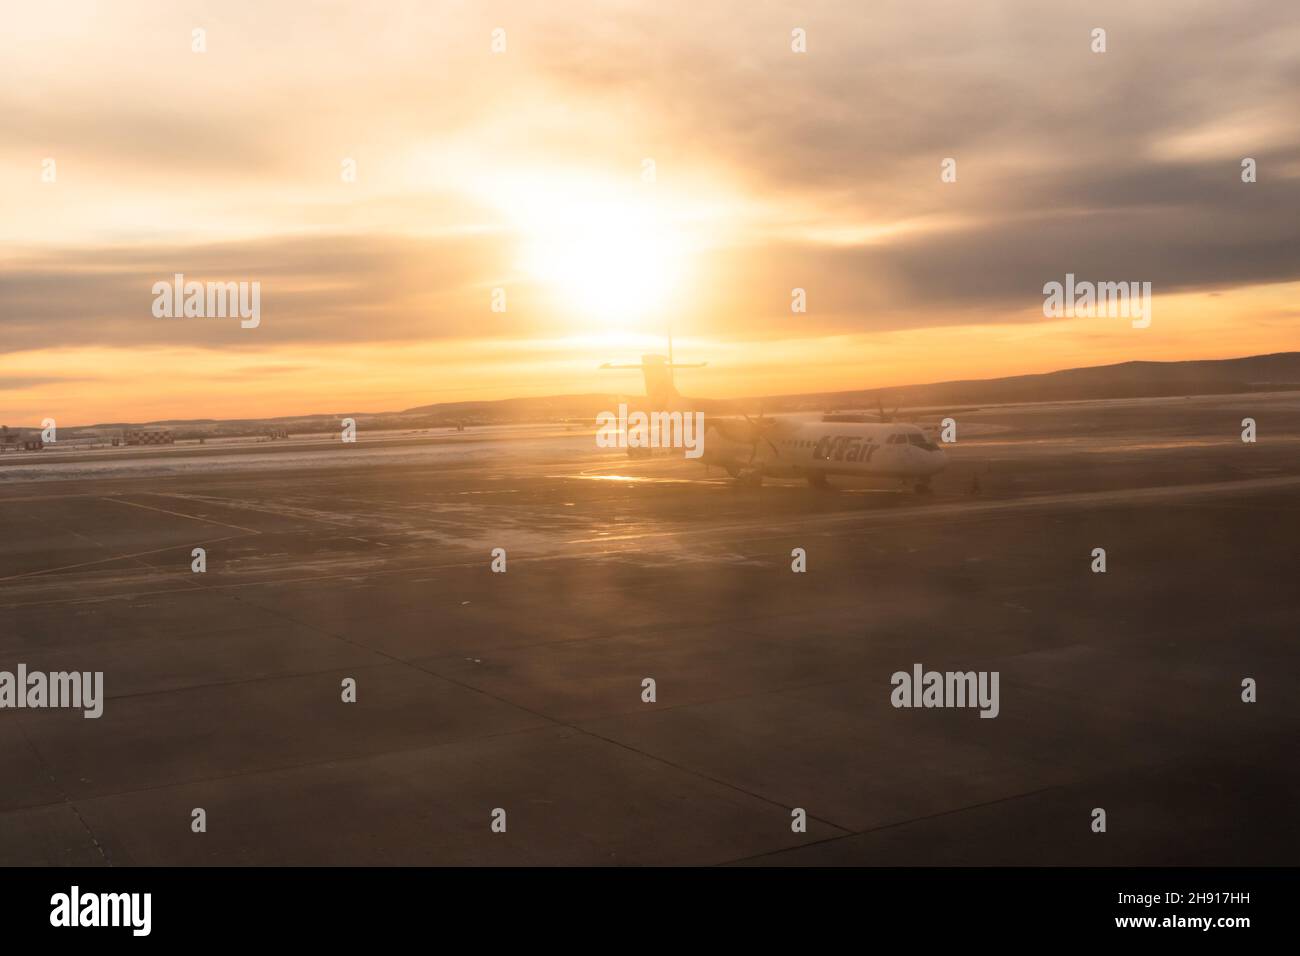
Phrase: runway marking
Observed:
(178, 514)
(134, 554)
(260, 582)
(752, 530)
(109, 560)
(286, 511)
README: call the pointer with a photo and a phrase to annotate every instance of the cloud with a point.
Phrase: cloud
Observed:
(818, 171)
(313, 290)
(17, 383)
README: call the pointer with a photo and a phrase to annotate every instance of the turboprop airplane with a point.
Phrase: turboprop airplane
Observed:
(750, 449)
(754, 449)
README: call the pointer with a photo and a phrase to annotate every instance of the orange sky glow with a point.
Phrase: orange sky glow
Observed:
(617, 170)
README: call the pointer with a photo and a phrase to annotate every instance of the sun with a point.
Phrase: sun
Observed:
(607, 253)
(607, 261)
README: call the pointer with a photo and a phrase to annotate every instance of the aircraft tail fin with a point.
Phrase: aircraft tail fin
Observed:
(657, 370)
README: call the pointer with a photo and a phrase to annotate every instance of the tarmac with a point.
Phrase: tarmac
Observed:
(522, 691)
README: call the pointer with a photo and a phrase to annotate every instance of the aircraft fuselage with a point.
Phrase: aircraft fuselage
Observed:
(789, 449)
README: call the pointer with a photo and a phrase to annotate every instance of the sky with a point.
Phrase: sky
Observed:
(480, 200)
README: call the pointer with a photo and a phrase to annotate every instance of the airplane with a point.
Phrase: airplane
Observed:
(750, 449)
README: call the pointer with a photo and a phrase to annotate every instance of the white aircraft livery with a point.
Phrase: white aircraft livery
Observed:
(751, 449)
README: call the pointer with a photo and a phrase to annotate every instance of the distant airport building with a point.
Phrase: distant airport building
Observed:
(17, 441)
(148, 436)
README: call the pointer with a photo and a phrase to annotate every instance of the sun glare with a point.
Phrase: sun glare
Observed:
(611, 264)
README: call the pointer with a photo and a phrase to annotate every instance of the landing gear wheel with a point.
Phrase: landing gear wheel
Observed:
(923, 488)
(817, 480)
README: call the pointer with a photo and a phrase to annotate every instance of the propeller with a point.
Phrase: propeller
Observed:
(760, 427)
(880, 405)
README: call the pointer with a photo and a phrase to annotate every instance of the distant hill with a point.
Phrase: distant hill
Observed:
(1280, 371)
